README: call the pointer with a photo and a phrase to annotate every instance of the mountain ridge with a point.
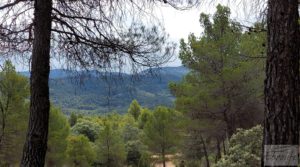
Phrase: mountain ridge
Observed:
(95, 93)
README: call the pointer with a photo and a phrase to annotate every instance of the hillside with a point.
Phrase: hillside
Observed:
(95, 94)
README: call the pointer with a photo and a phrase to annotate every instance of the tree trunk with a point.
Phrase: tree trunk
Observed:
(224, 147)
(36, 141)
(205, 151)
(163, 156)
(281, 123)
(218, 156)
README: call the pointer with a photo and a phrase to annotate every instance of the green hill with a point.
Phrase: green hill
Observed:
(96, 94)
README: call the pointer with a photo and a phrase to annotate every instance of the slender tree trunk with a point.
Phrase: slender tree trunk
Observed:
(36, 141)
(224, 146)
(205, 151)
(281, 123)
(218, 156)
(108, 152)
(3, 127)
(163, 156)
(229, 125)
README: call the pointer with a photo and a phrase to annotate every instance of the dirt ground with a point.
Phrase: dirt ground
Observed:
(168, 164)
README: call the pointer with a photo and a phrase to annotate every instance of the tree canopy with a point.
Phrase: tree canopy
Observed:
(162, 131)
(59, 130)
(80, 151)
(14, 91)
(223, 90)
(134, 109)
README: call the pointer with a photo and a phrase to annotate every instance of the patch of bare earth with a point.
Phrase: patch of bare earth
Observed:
(168, 164)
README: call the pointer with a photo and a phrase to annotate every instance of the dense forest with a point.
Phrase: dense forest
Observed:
(99, 93)
(232, 103)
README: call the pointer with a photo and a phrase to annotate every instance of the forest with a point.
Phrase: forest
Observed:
(232, 102)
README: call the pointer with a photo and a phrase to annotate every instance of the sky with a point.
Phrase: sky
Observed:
(179, 24)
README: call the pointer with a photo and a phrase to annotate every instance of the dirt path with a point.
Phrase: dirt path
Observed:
(168, 164)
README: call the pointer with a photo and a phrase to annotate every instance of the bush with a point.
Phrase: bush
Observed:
(244, 149)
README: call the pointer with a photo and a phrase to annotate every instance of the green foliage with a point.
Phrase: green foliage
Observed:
(143, 118)
(112, 140)
(59, 130)
(135, 150)
(110, 146)
(91, 97)
(193, 163)
(80, 151)
(223, 76)
(244, 149)
(162, 132)
(134, 147)
(223, 90)
(130, 131)
(73, 119)
(86, 127)
(134, 109)
(13, 85)
(14, 91)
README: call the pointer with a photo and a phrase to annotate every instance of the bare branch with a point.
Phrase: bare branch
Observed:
(10, 4)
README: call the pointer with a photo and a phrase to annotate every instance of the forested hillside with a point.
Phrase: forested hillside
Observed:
(232, 102)
(97, 93)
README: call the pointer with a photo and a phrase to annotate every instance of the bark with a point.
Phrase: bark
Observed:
(229, 123)
(163, 156)
(205, 151)
(281, 123)
(3, 126)
(224, 147)
(36, 140)
(218, 156)
(4, 111)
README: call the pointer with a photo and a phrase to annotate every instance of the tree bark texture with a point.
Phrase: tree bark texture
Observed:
(36, 140)
(281, 123)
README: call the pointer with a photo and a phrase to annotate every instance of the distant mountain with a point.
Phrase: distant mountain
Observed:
(96, 93)
(54, 74)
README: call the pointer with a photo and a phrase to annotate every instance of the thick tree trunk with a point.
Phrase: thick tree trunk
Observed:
(282, 74)
(36, 141)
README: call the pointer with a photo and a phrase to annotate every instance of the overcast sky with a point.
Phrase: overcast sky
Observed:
(179, 24)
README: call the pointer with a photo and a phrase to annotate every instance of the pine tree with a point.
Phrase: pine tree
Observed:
(222, 92)
(73, 119)
(14, 91)
(134, 109)
(59, 130)
(80, 151)
(162, 131)
(110, 146)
